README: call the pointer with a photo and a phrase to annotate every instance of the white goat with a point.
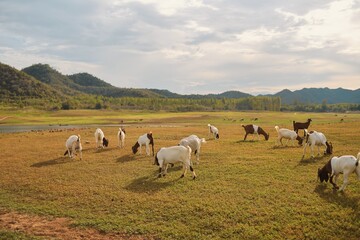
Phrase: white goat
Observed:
(346, 164)
(288, 134)
(100, 139)
(194, 142)
(171, 155)
(213, 130)
(318, 139)
(72, 145)
(121, 137)
(145, 139)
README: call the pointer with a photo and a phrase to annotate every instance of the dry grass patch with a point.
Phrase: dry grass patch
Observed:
(247, 190)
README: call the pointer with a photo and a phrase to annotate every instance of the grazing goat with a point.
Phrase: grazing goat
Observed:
(121, 137)
(194, 142)
(253, 129)
(72, 145)
(171, 155)
(346, 164)
(318, 139)
(100, 139)
(146, 139)
(213, 130)
(300, 125)
(288, 134)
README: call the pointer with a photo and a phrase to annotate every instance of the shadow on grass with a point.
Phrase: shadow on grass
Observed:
(126, 158)
(60, 160)
(341, 198)
(106, 149)
(285, 147)
(310, 160)
(150, 184)
(246, 141)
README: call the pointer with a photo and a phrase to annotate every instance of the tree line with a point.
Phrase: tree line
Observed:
(85, 101)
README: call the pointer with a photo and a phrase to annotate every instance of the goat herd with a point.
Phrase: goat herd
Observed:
(166, 156)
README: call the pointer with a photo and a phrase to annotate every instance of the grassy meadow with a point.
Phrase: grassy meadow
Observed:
(244, 190)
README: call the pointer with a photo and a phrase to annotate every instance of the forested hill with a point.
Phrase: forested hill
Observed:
(319, 95)
(82, 83)
(86, 79)
(17, 86)
(89, 84)
(228, 94)
(44, 87)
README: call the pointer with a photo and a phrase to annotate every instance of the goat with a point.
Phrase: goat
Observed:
(171, 155)
(318, 139)
(253, 129)
(72, 145)
(288, 134)
(100, 139)
(213, 130)
(194, 142)
(346, 164)
(300, 125)
(121, 137)
(146, 139)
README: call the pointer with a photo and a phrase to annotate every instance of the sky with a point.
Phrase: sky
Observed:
(189, 46)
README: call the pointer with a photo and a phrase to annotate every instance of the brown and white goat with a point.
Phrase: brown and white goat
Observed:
(314, 138)
(254, 129)
(100, 139)
(146, 140)
(346, 164)
(213, 130)
(72, 145)
(121, 137)
(300, 125)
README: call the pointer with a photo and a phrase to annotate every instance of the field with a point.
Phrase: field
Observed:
(245, 189)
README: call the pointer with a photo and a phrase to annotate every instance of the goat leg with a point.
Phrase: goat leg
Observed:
(334, 184)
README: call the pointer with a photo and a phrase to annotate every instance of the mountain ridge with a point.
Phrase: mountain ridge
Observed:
(85, 83)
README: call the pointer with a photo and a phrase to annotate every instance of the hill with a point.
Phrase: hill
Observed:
(318, 95)
(86, 79)
(83, 90)
(18, 86)
(82, 83)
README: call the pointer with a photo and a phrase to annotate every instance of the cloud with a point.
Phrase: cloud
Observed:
(189, 46)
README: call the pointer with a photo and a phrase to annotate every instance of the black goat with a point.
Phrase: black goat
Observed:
(300, 125)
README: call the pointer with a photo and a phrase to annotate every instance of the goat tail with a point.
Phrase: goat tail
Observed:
(357, 159)
(243, 125)
(156, 162)
(203, 140)
(189, 151)
(209, 125)
(277, 129)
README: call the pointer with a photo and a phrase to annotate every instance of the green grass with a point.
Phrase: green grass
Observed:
(8, 235)
(244, 190)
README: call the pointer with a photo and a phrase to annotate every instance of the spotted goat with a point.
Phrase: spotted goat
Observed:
(146, 140)
(72, 145)
(121, 137)
(254, 129)
(346, 164)
(100, 139)
(314, 138)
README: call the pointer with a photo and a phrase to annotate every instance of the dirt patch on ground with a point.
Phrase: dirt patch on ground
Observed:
(56, 228)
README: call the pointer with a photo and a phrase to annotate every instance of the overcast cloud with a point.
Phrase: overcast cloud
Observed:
(189, 46)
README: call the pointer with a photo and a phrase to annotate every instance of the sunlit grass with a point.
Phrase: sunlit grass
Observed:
(244, 190)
